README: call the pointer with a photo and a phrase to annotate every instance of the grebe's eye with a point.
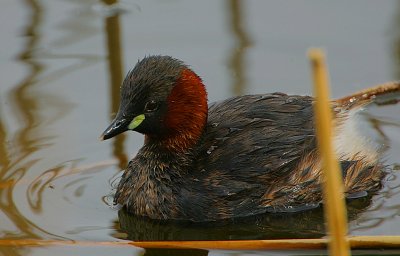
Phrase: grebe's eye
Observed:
(151, 106)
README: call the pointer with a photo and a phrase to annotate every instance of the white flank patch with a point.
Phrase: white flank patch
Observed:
(357, 137)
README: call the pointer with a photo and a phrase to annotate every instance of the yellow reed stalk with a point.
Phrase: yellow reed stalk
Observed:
(334, 204)
(356, 242)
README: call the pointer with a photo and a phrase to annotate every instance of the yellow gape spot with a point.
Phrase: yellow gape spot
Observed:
(136, 122)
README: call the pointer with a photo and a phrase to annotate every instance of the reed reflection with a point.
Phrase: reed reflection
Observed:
(113, 37)
(395, 50)
(28, 104)
(25, 105)
(4, 160)
(237, 59)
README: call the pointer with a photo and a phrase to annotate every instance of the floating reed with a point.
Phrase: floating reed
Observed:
(356, 242)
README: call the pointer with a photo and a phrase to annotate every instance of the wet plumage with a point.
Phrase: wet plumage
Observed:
(242, 156)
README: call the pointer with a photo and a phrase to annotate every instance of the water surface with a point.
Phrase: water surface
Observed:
(61, 64)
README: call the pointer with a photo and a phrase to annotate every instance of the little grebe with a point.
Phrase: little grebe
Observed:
(243, 156)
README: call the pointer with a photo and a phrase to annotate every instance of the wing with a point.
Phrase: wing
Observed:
(258, 135)
(252, 145)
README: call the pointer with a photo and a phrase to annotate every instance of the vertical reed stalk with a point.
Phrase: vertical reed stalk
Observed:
(334, 203)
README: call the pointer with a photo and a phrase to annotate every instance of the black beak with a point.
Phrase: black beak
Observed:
(119, 125)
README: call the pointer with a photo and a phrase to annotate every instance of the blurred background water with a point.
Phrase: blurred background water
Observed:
(61, 64)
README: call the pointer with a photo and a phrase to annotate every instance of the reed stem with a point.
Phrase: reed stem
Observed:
(334, 203)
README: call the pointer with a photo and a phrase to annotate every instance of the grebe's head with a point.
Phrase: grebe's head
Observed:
(163, 99)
